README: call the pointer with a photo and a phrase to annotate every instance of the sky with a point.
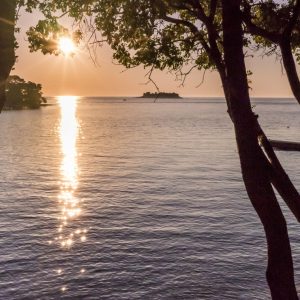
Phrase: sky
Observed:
(80, 76)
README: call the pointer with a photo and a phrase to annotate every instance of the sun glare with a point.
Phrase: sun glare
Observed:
(66, 45)
(68, 201)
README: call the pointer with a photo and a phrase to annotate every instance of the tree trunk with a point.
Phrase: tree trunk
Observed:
(255, 168)
(290, 67)
(279, 177)
(7, 43)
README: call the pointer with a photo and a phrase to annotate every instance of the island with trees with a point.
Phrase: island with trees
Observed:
(161, 95)
(21, 94)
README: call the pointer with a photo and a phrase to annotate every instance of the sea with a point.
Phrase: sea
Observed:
(130, 198)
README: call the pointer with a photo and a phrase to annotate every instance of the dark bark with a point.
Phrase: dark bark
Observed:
(7, 43)
(290, 66)
(255, 167)
(280, 179)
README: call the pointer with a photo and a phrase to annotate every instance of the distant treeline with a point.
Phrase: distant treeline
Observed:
(23, 94)
(160, 95)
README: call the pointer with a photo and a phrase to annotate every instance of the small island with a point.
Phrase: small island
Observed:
(21, 94)
(160, 95)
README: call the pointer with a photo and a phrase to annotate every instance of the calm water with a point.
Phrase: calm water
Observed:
(110, 199)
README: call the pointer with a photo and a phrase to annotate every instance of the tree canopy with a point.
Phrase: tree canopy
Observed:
(171, 34)
(23, 94)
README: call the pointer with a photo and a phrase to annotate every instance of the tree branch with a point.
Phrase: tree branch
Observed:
(185, 23)
(254, 29)
(213, 9)
(290, 66)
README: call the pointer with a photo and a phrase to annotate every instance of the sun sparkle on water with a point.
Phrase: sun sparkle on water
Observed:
(69, 230)
(69, 203)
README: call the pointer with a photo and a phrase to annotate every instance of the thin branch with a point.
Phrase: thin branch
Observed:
(150, 80)
(202, 80)
(183, 75)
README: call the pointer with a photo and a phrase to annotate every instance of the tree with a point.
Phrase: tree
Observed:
(8, 17)
(7, 43)
(255, 168)
(206, 34)
(21, 94)
(277, 25)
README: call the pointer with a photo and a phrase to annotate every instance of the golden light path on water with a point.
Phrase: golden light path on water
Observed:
(69, 204)
(68, 231)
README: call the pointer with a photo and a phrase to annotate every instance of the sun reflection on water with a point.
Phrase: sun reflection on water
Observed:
(69, 203)
(69, 231)
(68, 136)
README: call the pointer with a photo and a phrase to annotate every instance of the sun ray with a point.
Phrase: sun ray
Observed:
(66, 45)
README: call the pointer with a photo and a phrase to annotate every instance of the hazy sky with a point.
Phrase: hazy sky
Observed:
(80, 76)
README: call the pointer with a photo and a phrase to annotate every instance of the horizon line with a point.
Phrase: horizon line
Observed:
(182, 96)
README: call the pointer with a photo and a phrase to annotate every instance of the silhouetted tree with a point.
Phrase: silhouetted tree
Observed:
(21, 94)
(7, 43)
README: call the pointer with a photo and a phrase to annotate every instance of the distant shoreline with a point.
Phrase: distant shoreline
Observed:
(47, 104)
(183, 97)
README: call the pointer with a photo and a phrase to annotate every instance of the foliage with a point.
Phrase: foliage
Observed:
(46, 34)
(151, 33)
(161, 34)
(21, 94)
(273, 20)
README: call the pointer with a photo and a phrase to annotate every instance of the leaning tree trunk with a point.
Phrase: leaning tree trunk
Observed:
(286, 50)
(7, 43)
(290, 66)
(255, 167)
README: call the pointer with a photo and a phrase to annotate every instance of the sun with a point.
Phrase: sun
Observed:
(66, 45)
